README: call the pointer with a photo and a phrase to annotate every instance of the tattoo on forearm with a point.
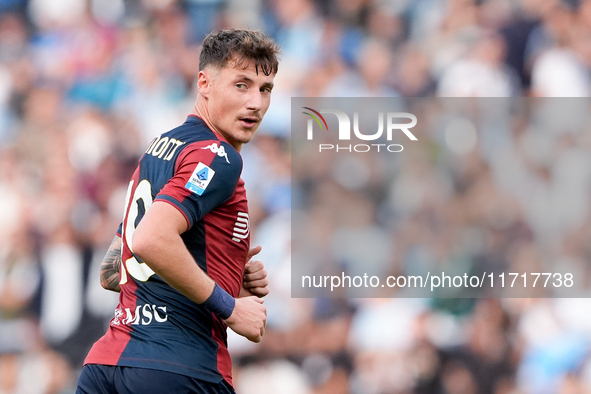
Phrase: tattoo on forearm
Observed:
(111, 265)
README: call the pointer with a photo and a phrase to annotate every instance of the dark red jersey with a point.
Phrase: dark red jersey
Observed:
(155, 326)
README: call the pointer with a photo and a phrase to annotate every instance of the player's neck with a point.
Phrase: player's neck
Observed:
(201, 112)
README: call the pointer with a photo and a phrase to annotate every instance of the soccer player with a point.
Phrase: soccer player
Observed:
(185, 238)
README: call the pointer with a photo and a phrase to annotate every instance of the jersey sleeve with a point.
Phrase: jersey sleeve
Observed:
(206, 175)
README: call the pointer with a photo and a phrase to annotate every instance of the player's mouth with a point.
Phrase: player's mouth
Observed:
(249, 122)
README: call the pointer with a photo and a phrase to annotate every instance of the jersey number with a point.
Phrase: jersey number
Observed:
(138, 205)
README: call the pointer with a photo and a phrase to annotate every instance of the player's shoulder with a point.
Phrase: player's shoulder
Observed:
(170, 144)
(219, 152)
(223, 151)
(202, 148)
(204, 141)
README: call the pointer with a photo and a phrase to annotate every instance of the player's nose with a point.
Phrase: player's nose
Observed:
(255, 100)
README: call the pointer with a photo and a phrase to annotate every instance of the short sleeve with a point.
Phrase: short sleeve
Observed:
(206, 175)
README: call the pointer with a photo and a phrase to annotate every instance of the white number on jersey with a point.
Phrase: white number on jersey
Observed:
(143, 193)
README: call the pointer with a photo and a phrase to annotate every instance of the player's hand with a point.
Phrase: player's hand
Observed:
(249, 318)
(255, 280)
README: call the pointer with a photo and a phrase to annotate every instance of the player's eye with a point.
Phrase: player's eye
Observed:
(241, 85)
(266, 90)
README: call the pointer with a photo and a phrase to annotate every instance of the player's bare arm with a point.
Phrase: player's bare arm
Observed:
(111, 265)
(157, 241)
(255, 280)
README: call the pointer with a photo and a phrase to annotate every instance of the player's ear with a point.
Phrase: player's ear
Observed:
(204, 82)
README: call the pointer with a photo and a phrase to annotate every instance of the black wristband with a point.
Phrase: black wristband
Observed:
(220, 302)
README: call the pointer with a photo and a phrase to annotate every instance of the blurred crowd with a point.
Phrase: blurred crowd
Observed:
(493, 185)
(86, 84)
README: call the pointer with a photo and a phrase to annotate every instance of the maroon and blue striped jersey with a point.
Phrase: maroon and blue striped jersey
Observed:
(155, 326)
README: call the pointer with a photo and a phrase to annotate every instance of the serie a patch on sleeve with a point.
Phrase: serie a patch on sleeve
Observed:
(200, 179)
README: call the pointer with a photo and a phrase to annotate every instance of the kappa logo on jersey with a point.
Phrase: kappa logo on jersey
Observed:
(241, 227)
(219, 150)
(200, 179)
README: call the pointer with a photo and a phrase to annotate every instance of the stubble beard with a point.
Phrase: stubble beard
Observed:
(246, 136)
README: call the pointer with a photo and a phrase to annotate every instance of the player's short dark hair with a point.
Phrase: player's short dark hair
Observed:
(240, 46)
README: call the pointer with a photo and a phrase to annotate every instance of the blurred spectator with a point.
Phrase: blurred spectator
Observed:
(482, 73)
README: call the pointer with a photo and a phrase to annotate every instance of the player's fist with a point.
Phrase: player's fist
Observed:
(255, 280)
(248, 318)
